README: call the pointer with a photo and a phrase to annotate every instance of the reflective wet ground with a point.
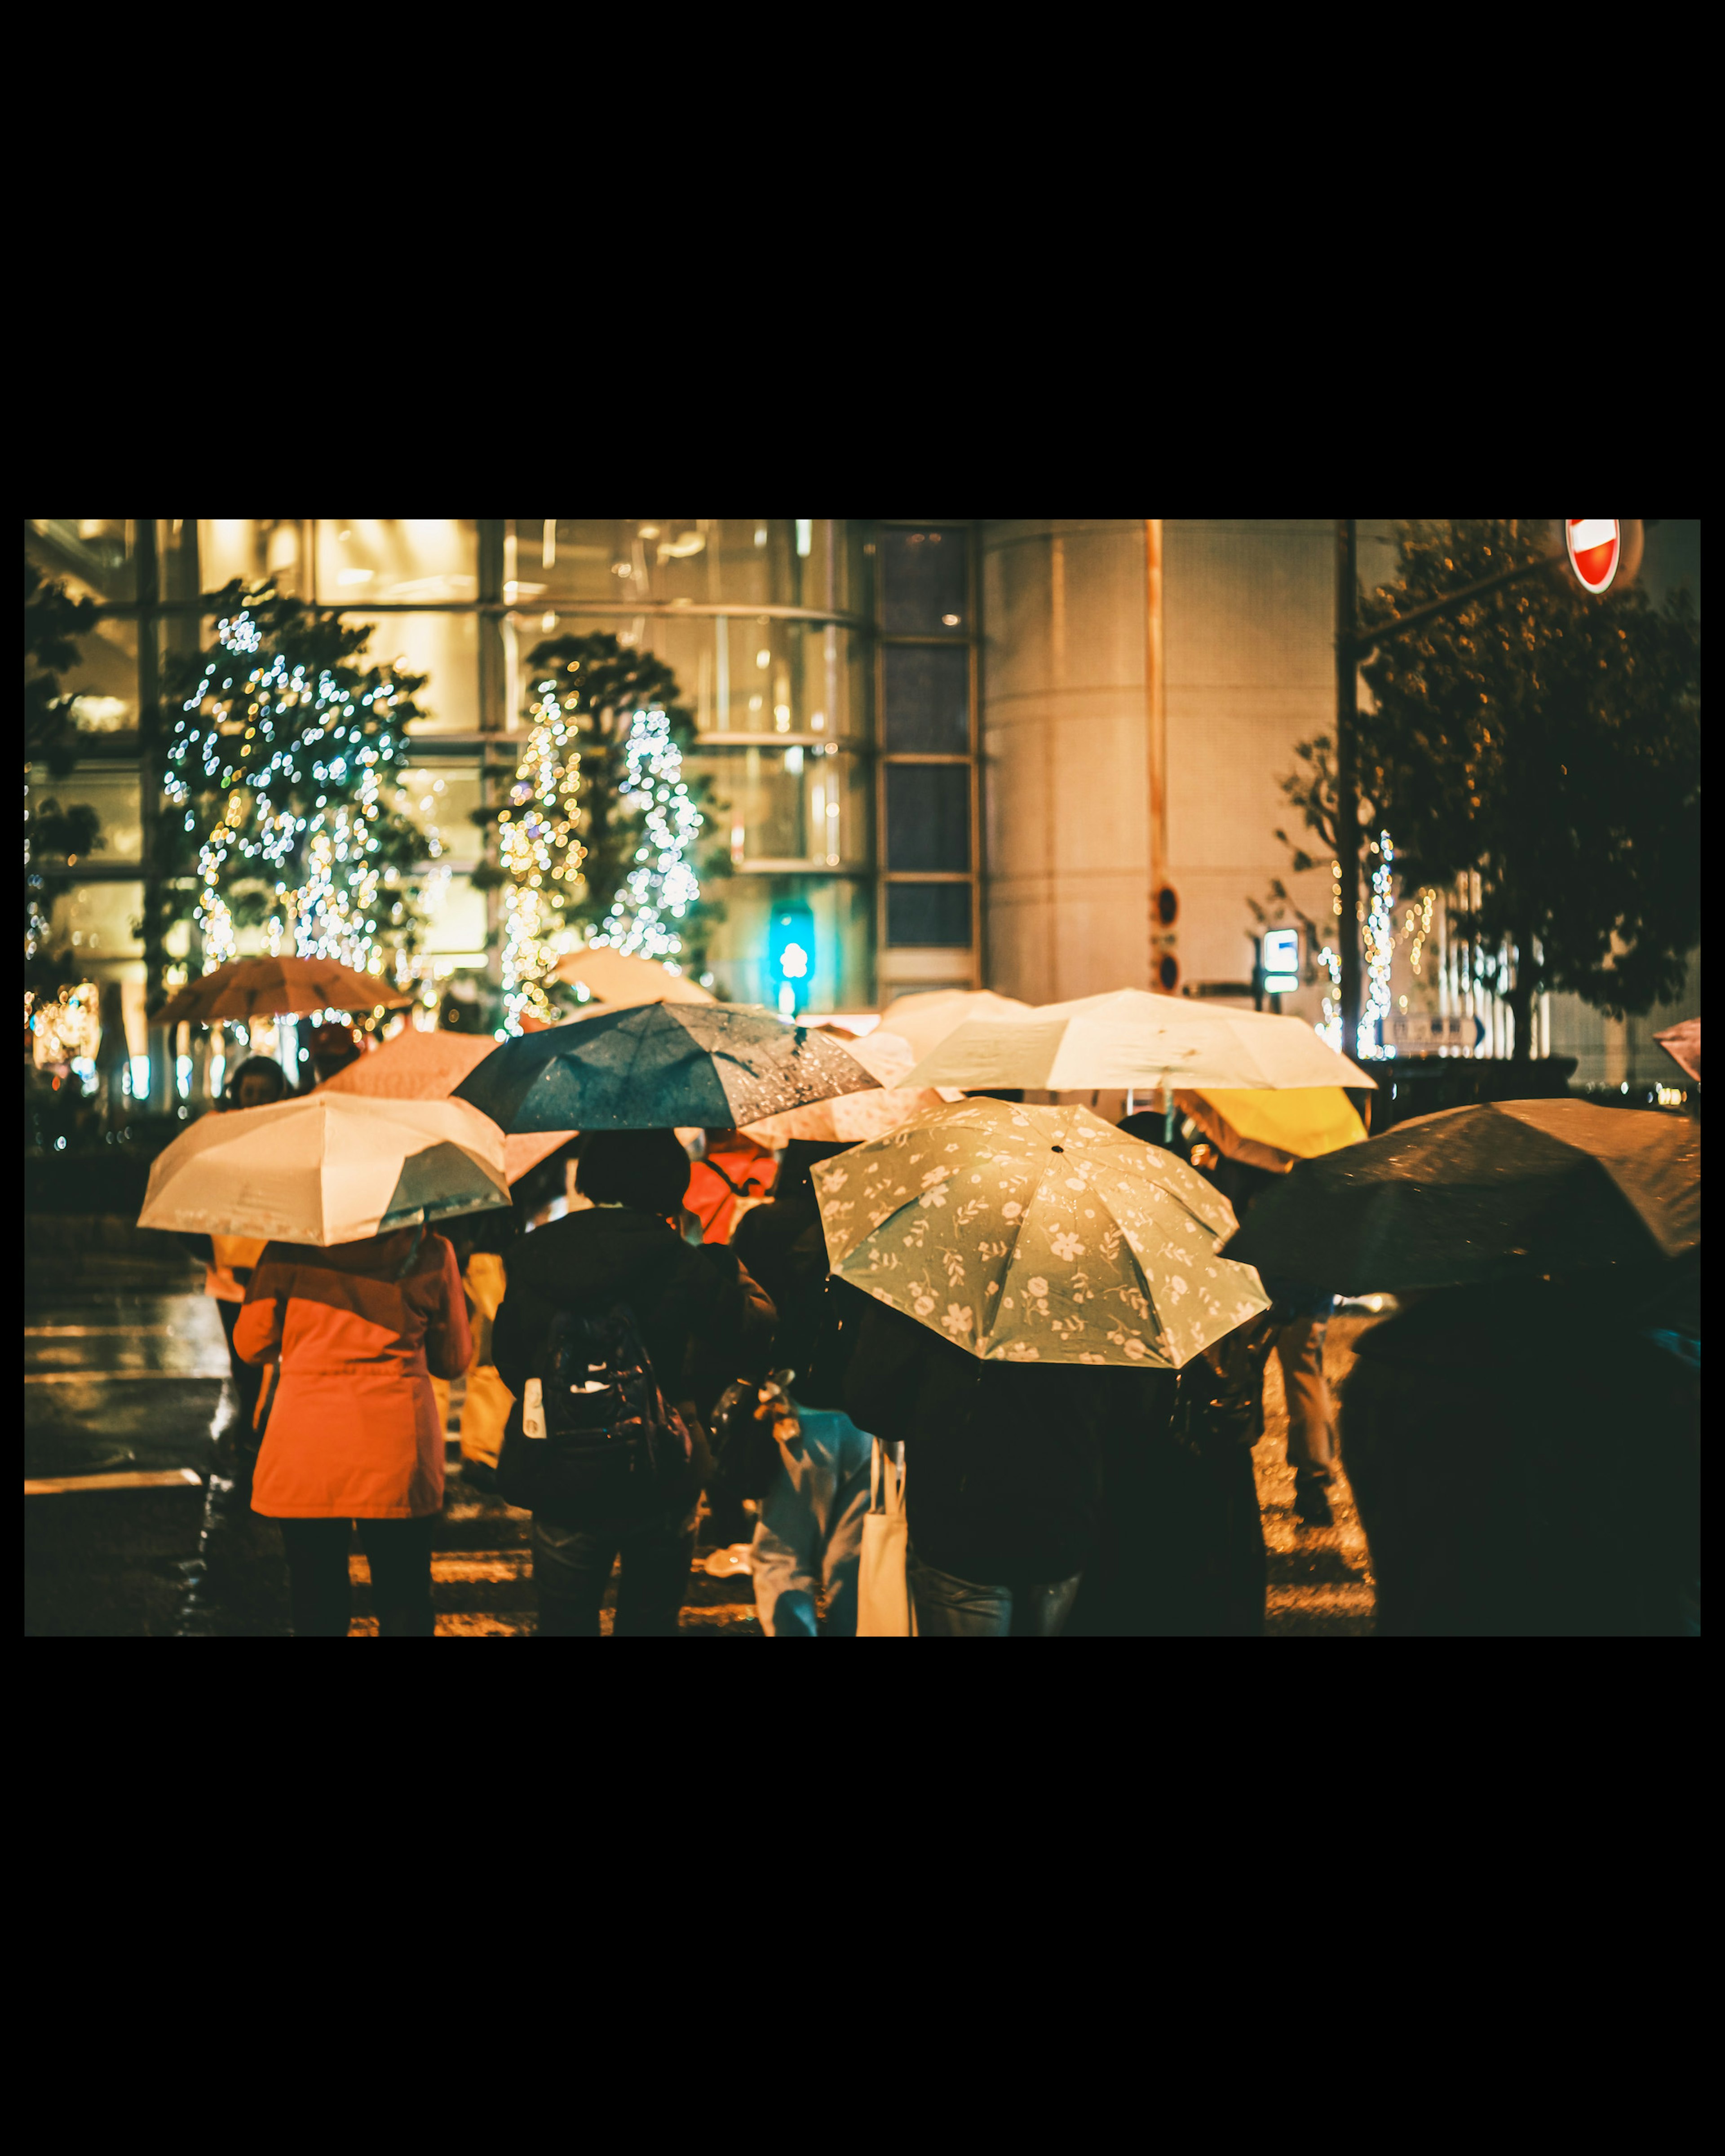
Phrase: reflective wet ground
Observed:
(126, 1382)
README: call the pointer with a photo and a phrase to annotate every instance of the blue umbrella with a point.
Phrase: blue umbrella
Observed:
(657, 1066)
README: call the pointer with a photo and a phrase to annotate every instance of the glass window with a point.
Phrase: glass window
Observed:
(93, 556)
(441, 799)
(925, 698)
(444, 645)
(746, 561)
(397, 558)
(924, 580)
(928, 816)
(922, 914)
(455, 921)
(790, 804)
(111, 789)
(99, 920)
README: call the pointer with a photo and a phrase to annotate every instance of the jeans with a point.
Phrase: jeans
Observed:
(809, 1532)
(319, 1592)
(952, 1608)
(572, 1568)
(1313, 1451)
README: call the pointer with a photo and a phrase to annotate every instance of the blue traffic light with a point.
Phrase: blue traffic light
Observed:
(790, 955)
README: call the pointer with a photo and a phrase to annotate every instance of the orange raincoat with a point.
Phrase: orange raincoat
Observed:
(354, 1431)
(734, 1175)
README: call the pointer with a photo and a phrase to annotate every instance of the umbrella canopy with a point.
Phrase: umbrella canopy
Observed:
(429, 1067)
(925, 1021)
(326, 1169)
(617, 978)
(713, 1065)
(1682, 1044)
(848, 1117)
(1134, 1039)
(258, 988)
(1273, 1128)
(1469, 1195)
(1030, 1234)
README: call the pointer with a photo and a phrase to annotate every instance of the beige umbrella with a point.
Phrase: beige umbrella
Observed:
(1027, 1235)
(925, 1021)
(326, 1169)
(1134, 1039)
(1682, 1044)
(852, 1116)
(616, 978)
(259, 988)
(429, 1067)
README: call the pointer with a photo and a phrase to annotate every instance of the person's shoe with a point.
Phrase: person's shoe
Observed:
(1312, 1504)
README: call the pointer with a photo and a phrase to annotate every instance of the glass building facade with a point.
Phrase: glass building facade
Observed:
(830, 665)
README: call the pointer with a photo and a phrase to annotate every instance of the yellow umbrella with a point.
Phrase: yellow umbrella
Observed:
(1273, 1129)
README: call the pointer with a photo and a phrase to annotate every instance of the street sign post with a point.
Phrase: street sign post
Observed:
(1595, 545)
(1279, 958)
(1408, 1030)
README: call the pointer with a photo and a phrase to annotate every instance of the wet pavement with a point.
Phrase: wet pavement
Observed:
(126, 1373)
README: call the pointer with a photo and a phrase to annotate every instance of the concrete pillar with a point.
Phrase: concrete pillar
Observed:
(1066, 771)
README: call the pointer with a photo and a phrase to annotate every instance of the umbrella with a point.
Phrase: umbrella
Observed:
(847, 1117)
(1682, 1044)
(654, 1066)
(1030, 1234)
(429, 1067)
(925, 1021)
(1509, 1190)
(1273, 1128)
(256, 988)
(617, 978)
(1134, 1039)
(326, 1169)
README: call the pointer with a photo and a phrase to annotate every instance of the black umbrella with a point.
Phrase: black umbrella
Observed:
(1502, 1192)
(656, 1066)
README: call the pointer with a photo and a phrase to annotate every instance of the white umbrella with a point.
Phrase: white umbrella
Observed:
(429, 1067)
(853, 1116)
(925, 1021)
(1134, 1039)
(329, 1168)
(616, 977)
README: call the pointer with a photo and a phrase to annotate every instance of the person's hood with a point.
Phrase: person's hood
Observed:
(603, 1250)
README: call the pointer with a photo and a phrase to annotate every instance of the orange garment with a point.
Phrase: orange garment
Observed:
(233, 1258)
(354, 1431)
(713, 1199)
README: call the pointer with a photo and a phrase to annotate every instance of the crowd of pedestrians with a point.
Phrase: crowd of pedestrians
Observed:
(1482, 1435)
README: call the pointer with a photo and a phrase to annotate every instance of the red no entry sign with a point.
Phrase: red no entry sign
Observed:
(1595, 547)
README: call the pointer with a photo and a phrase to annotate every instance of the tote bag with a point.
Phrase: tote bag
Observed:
(883, 1600)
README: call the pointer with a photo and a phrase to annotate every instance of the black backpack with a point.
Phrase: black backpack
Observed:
(599, 1448)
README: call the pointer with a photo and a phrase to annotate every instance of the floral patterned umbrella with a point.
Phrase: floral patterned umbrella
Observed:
(1037, 1235)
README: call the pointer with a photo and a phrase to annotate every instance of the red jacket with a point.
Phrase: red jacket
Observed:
(354, 1431)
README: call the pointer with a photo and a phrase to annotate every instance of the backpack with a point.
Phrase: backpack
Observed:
(1219, 1402)
(597, 1448)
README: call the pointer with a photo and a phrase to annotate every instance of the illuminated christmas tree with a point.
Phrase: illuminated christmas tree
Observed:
(285, 751)
(603, 839)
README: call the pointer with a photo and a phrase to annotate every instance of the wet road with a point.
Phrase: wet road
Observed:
(128, 1375)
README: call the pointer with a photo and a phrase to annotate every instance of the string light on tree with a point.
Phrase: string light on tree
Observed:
(279, 757)
(1380, 947)
(661, 886)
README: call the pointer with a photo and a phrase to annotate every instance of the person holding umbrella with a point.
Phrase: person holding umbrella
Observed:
(702, 1321)
(360, 1306)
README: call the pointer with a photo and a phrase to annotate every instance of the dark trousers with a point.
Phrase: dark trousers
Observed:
(399, 1552)
(248, 1383)
(572, 1567)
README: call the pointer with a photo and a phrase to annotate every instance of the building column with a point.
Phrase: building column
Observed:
(1066, 776)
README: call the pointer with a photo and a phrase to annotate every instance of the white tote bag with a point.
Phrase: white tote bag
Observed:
(883, 1600)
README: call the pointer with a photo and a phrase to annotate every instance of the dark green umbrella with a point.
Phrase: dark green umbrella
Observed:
(1513, 1189)
(656, 1066)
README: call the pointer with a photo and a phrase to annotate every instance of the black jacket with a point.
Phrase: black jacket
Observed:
(1003, 1462)
(702, 1320)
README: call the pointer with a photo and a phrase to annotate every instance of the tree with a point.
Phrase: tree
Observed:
(284, 757)
(1546, 741)
(601, 839)
(52, 624)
